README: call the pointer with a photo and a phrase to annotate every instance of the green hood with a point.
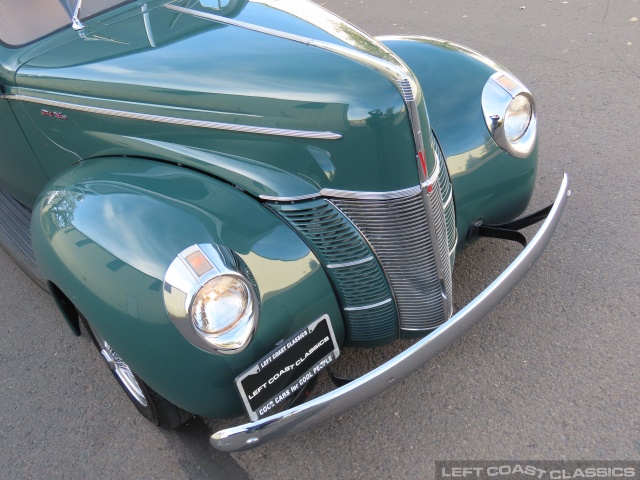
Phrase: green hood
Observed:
(167, 63)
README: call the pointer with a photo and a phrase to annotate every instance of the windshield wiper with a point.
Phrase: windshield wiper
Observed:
(76, 24)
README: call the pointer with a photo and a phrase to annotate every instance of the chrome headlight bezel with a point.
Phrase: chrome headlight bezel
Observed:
(499, 92)
(192, 271)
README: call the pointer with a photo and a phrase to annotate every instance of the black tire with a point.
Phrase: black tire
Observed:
(153, 406)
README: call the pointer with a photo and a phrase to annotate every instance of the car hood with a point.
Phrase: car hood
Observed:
(255, 73)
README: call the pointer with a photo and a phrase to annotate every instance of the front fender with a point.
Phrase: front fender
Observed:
(488, 183)
(105, 233)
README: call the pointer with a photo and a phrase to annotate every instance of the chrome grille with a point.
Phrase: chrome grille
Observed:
(368, 308)
(398, 255)
(398, 231)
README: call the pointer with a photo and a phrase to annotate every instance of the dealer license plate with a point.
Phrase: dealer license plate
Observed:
(278, 376)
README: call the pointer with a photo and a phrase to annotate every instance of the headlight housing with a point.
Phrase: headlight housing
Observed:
(509, 112)
(210, 300)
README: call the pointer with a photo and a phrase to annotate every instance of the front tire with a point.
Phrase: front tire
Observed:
(153, 406)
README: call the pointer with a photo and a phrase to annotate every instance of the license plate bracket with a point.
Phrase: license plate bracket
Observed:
(282, 373)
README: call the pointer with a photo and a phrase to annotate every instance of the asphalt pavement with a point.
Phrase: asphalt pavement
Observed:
(551, 373)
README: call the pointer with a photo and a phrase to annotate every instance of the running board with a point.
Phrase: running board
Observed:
(15, 236)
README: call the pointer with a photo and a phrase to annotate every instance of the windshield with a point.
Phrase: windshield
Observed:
(23, 21)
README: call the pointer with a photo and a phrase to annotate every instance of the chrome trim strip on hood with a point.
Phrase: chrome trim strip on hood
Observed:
(282, 132)
(406, 192)
(269, 198)
(352, 194)
(301, 417)
(356, 195)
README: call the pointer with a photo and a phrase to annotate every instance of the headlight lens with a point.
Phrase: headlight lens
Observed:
(517, 118)
(220, 305)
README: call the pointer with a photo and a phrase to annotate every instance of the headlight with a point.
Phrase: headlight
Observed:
(220, 305)
(510, 114)
(209, 299)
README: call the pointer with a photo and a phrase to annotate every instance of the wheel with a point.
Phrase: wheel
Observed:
(153, 406)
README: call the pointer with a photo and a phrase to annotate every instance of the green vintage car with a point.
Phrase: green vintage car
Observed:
(224, 194)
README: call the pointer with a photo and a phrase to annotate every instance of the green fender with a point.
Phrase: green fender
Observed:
(489, 184)
(105, 232)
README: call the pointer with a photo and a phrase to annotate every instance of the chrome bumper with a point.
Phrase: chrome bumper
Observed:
(244, 437)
